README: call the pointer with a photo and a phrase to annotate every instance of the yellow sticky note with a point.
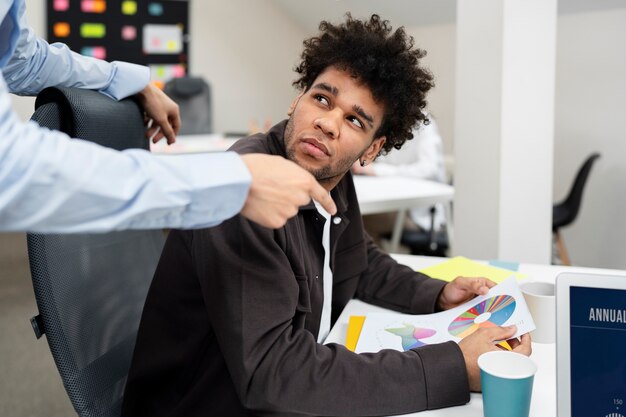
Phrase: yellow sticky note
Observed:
(460, 266)
(355, 324)
(129, 7)
(171, 46)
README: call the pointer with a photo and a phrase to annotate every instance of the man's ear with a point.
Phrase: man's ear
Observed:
(294, 103)
(373, 150)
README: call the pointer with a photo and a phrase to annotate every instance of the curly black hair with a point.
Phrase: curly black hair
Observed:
(384, 60)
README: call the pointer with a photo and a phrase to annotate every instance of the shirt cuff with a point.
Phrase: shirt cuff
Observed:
(127, 79)
(215, 187)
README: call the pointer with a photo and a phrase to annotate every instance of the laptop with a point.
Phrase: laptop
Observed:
(591, 345)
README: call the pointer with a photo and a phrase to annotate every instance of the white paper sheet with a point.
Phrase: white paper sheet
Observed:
(504, 305)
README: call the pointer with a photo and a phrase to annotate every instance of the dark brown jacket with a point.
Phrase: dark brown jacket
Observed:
(231, 321)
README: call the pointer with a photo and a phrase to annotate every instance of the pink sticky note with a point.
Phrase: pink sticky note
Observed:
(61, 5)
(129, 33)
(178, 71)
(99, 52)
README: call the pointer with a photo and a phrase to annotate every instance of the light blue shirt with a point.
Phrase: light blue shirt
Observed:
(50, 183)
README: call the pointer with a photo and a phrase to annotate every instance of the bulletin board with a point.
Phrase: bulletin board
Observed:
(152, 33)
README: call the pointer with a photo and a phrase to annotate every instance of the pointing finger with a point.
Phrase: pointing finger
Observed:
(319, 194)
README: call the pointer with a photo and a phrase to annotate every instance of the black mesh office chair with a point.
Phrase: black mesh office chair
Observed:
(193, 96)
(90, 288)
(565, 212)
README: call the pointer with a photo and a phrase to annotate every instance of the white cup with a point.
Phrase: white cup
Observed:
(540, 299)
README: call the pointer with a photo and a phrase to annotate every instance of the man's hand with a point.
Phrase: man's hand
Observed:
(163, 112)
(461, 290)
(484, 340)
(279, 187)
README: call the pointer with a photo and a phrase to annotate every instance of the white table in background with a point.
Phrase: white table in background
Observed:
(400, 194)
(544, 387)
(213, 142)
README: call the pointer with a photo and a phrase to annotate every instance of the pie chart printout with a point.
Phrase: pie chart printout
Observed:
(494, 311)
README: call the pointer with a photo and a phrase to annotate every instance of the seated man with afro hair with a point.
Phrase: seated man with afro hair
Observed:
(235, 319)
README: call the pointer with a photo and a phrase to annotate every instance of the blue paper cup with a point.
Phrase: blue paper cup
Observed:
(507, 383)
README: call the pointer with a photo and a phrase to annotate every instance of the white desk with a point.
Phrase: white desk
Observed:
(385, 194)
(544, 387)
(214, 142)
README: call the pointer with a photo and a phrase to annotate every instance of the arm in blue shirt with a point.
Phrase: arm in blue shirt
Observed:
(34, 64)
(51, 183)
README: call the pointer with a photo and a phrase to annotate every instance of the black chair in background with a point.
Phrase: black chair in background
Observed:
(430, 242)
(193, 96)
(565, 212)
(90, 288)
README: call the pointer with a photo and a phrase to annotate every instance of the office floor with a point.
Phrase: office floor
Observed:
(29, 383)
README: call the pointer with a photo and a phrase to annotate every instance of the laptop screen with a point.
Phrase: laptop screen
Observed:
(598, 352)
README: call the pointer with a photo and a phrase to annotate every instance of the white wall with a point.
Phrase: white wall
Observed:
(247, 51)
(440, 43)
(591, 116)
(504, 78)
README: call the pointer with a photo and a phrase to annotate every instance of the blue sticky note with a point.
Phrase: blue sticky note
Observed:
(155, 9)
(511, 266)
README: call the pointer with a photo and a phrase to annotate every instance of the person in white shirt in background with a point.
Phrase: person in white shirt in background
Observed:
(421, 157)
(52, 184)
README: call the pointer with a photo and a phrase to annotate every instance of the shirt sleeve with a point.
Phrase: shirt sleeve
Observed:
(388, 284)
(50, 183)
(35, 65)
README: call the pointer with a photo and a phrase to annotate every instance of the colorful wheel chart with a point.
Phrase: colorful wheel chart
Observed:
(492, 312)
(411, 335)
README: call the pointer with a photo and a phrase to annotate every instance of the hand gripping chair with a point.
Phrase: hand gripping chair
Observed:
(90, 288)
(565, 212)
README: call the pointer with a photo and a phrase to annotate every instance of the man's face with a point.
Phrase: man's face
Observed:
(332, 125)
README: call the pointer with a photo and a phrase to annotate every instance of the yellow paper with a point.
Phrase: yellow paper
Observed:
(355, 324)
(463, 267)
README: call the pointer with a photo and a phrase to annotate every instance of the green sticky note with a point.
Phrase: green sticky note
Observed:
(93, 30)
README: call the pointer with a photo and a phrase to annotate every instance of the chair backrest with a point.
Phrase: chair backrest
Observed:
(193, 96)
(571, 205)
(90, 288)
